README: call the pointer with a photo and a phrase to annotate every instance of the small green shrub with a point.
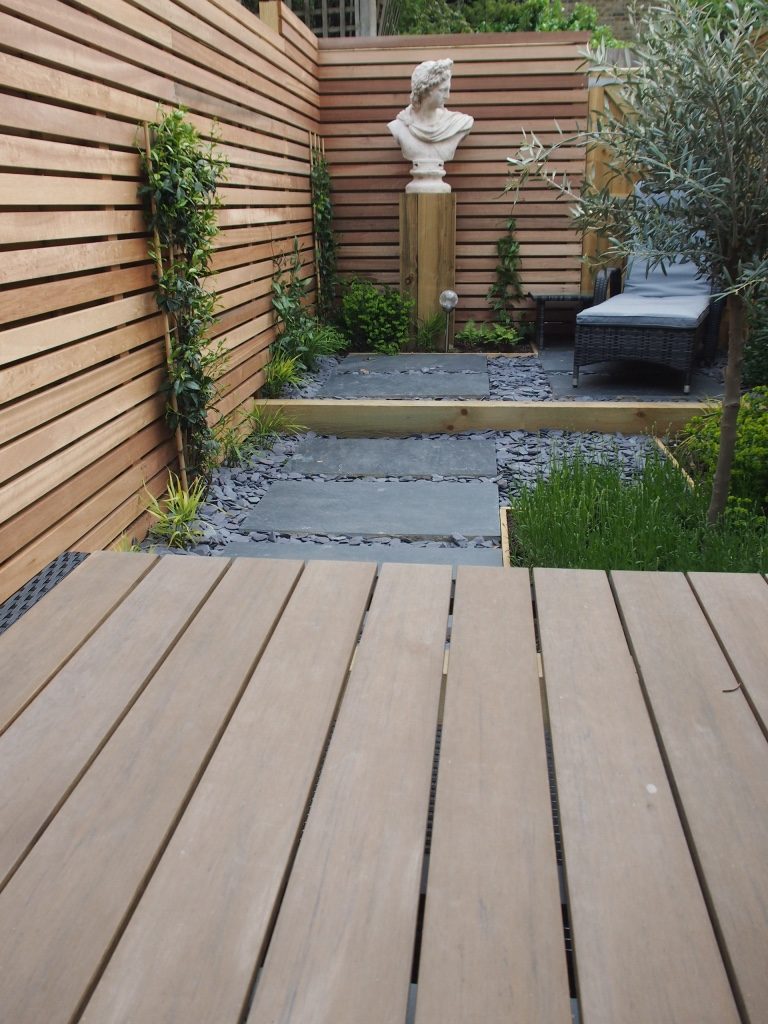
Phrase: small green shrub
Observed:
(175, 514)
(756, 350)
(493, 337)
(700, 442)
(376, 318)
(280, 372)
(266, 425)
(585, 515)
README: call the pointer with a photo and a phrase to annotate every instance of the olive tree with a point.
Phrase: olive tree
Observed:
(696, 135)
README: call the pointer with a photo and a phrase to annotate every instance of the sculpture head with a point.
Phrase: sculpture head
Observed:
(428, 76)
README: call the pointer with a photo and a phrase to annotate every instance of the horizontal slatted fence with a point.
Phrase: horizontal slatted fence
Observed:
(509, 83)
(81, 351)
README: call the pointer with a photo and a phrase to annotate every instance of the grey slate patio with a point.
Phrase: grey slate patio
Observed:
(390, 457)
(419, 510)
(621, 381)
(406, 385)
(365, 553)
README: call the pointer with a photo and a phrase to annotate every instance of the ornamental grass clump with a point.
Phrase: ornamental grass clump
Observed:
(587, 515)
(174, 515)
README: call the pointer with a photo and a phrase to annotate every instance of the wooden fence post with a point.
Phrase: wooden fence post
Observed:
(270, 12)
(427, 249)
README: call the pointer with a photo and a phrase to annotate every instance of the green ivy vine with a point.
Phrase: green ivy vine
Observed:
(325, 240)
(507, 289)
(180, 198)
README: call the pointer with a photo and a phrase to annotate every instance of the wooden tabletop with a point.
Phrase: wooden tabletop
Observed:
(218, 796)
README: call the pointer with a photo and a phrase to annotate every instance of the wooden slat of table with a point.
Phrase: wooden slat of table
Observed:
(718, 757)
(48, 634)
(493, 948)
(343, 943)
(46, 749)
(736, 605)
(644, 946)
(64, 907)
(190, 951)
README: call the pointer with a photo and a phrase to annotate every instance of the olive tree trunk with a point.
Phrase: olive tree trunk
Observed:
(731, 402)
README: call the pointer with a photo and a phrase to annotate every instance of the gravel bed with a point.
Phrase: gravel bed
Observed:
(312, 382)
(521, 458)
(518, 379)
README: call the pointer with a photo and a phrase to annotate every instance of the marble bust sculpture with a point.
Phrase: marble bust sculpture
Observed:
(428, 133)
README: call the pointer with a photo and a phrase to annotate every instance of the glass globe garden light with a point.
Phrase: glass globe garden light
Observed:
(448, 300)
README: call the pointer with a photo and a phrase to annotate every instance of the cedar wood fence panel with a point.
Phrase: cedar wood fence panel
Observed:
(81, 350)
(509, 83)
(81, 353)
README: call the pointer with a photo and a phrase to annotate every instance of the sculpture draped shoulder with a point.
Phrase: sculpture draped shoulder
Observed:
(428, 133)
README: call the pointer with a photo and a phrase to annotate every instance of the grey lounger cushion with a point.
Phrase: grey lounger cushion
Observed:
(677, 298)
(632, 310)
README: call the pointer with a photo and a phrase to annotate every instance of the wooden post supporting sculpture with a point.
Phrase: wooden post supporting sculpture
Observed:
(428, 135)
(427, 249)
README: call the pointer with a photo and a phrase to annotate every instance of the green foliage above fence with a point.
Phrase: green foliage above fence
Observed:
(430, 17)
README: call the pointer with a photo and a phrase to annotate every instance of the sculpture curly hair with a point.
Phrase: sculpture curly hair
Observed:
(426, 76)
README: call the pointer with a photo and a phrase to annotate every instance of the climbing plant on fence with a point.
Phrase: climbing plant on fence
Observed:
(180, 199)
(507, 288)
(325, 240)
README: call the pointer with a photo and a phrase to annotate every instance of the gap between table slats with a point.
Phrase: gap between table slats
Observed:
(48, 635)
(736, 607)
(47, 748)
(343, 941)
(716, 755)
(64, 908)
(492, 949)
(643, 942)
(191, 949)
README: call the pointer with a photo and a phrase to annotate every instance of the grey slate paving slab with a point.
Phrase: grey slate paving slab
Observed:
(364, 553)
(418, 457)
(406, 385)
(418, 510)
(404, 362)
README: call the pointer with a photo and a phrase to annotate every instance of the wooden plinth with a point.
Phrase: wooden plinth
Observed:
(427, 249)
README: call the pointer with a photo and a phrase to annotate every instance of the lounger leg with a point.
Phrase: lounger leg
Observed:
(575, 380)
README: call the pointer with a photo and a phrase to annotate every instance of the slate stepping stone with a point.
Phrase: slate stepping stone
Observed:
(406, 385)
(364, 553)
(417, 361)
(384, 457)
(419, 510)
